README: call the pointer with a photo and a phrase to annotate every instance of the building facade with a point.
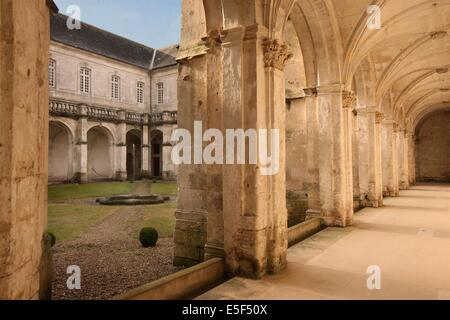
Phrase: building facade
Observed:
(113, 106)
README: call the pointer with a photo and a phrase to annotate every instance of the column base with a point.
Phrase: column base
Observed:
(145, 175)
(313, 214)
(212, 252)
(80, 177)
(121, 176)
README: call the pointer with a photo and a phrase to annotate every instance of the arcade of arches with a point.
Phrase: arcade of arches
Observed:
(363, 114)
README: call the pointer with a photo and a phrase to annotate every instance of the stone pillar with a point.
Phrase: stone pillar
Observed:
(335, 166)
(404, 166)
(370, 158)
(24, 45)
(214, 247)
(145, 147)
(355, 162)
(191, 214)
(254, 204)
(313, 149)
(378, 158)
(296, 158)
(81, 147)
(390, 160)
(412, 158)
(121, 148)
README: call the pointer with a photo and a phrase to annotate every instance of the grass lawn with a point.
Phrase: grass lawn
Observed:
(67, 222)
(165, 188)
(89, 190)
(104, 189)
(161, 217)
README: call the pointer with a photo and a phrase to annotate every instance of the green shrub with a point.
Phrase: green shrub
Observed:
(50, 237)
(148, 237)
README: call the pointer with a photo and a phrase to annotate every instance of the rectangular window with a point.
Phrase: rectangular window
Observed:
(115, 87)
(140, 92)
(52, 73)
(160, 86)
(85, 80)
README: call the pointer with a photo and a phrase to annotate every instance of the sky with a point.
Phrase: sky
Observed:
(155, 23)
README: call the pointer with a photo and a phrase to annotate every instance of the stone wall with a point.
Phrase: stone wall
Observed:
(433, 148)
(69, 60)
(24, 43)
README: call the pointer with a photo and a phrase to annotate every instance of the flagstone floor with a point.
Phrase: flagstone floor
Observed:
(408, 239)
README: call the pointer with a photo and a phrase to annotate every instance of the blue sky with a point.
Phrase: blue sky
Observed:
(155, 23)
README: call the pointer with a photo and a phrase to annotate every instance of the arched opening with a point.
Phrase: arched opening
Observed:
(60, 153)
(157, 156)
(433, 148)
(100, 162)
(134, 154)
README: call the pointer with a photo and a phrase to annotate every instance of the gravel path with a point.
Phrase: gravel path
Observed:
(111, 260)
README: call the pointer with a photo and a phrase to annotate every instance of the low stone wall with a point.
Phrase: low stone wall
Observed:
(185, 284)
(304, 230)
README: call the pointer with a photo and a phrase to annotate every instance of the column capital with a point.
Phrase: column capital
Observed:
(348, 100)
(396, 127)
(379, 116)
(276, 54)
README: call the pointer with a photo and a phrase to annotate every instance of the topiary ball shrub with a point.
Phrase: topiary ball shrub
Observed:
(51, 238)
(148, 237)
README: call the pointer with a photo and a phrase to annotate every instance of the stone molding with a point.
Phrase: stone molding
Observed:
(310, 92)
(275, 54)
(95, 113)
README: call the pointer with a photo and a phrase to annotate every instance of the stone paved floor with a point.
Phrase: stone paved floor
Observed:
(409, 239)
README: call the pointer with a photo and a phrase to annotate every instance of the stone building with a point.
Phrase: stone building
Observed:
(113, 106)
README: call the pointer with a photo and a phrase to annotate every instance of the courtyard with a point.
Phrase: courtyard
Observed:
(103, 240)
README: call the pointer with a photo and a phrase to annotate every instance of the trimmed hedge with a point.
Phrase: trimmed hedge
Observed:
(148, 237)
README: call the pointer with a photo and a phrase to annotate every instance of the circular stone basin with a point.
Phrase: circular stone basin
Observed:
(132, 200)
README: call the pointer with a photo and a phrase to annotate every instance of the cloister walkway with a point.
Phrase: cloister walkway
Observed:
(409, 239)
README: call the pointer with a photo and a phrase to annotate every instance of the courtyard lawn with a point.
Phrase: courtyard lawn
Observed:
(105, 189)
(165, 188)
(161, 217)
(67, 222)
(89, 190)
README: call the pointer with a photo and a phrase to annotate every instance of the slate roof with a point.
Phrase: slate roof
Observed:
(101, 42)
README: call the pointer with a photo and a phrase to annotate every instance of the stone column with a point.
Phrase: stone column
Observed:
(335, 169)
(296, 158)
(121, 148)
(145, 147)
(313, 149)
(254, 203)
(191, 214)
(370, 158)
(214, 247)
(24, 45)
(355, 162)
(390, 160)
(81, 147)
(412, 158)
(404, 167)
(378, 159)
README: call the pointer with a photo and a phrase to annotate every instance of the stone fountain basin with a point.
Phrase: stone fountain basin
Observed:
(132, 200)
